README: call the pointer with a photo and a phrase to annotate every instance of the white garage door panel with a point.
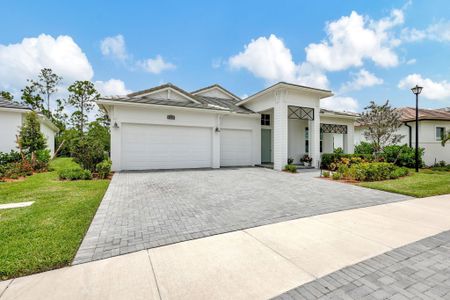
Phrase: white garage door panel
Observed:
(235, 147)
(165, 147)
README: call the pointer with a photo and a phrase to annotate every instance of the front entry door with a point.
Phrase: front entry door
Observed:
(266, 145)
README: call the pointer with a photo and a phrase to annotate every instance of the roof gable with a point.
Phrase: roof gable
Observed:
(216, 91)
(167, 92)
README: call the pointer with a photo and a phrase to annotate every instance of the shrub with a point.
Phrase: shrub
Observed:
(88, 153)
(364, 148)
(290, 160)
(290, 168)
(42, 160)
(338, 150)
(399, 172)
(329, 161)
(402, 156)
(74, 174)
(336, 176)
(374, 171)
(104, 168)
(18, 169)
(10, 157)
(326, 174)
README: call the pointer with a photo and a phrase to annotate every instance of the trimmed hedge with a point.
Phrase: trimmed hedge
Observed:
(74, 174)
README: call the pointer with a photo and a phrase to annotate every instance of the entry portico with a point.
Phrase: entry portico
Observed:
(297, 126)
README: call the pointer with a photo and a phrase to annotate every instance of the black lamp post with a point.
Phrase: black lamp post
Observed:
(417, 90)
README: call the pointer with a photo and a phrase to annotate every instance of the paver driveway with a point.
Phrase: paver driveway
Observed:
(148, 209)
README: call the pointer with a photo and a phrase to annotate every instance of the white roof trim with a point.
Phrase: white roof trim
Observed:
(171, 90)
(323, 93)
(148, 105)
(218, 88)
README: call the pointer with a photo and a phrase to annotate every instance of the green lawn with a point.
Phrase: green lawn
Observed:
(47, 234)
(423, 184)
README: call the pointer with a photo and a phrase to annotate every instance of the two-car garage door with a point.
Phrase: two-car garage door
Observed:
(146, 147)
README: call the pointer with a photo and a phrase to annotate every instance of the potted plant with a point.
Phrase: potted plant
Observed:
(306, 159)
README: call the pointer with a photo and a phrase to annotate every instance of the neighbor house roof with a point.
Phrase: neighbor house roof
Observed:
(11, 104)
(409, 114)
(20, 108)
(339, 113)
(199, 102)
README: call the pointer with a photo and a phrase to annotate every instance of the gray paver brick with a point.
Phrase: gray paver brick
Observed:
(152, 209)
(377, 282)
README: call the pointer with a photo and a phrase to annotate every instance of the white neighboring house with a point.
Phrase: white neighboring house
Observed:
(11, 119)
(432, 124)
(166, 127)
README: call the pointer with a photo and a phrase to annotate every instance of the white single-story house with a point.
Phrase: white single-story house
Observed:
(432, 124)
(11, 119)
(166, 127)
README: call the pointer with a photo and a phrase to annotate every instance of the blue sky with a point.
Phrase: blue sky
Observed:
(361, 50)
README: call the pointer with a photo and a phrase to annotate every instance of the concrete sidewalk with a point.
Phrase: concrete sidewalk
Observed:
(257, 263)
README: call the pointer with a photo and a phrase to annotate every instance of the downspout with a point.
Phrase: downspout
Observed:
(409, 134)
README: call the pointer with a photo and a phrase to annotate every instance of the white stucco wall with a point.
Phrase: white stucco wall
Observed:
(50, 137)
(145, 114)
(427, 140)
(10, 122)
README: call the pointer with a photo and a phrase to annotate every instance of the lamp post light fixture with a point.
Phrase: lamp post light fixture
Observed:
(416, 91)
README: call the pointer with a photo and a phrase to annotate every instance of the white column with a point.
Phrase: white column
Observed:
(280, 139)
(314, 137)
(349, 140)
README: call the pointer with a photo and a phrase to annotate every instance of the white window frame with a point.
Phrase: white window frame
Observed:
(435, 132)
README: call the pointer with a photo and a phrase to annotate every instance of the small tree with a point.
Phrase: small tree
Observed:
(7, 95)
(381, 123)
(48, 84)
(31, 97)
(82, 97)
(40, 89)
(31, 138)
(445, 138)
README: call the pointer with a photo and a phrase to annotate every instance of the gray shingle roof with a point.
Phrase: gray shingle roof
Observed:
(10, 104)
(211, 103)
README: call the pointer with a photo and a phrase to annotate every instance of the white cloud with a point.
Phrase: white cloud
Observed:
(114, 46)
(340, 103)
(433, 90)
(439, 31)
(24, 60)
(412, 61)
(217, 63)
(266, 58)
(155, 65)
(111, 87)
(361, 79)
(270, 59)
(352, 39)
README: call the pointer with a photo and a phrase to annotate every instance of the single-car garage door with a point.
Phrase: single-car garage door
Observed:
(235, 147)
(146, 147)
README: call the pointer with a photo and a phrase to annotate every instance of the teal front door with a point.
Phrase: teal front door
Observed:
(266, 145)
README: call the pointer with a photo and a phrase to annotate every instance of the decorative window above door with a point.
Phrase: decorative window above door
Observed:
(265, 119)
